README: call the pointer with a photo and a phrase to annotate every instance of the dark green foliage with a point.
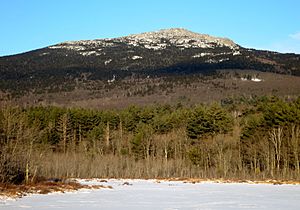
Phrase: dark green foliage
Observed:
(280, 113)
(131, 117)
(96, 133)
(168, 118)
(271, 113)
(208, 121)
(252, 124)
(141, 142)
(163, 124)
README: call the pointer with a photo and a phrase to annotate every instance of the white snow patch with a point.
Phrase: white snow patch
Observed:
(55, 47)
(156, 46)
(211, 61)
(256, 80)
(201, 55)
(236, 53)
(225, 59)
(68, 47)
(136, 57)
(46, 53)
(88, 53)
(216, 54)
(112, 80)
(107, 62)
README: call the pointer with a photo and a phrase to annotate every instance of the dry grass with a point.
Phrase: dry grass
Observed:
(203, 180)
(17, 191)
(198, 180)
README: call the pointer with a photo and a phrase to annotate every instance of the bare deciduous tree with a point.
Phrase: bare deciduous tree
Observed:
(276, 137)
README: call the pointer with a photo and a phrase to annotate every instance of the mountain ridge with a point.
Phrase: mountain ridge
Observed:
(163, 53)
(184, 32)
(177, 35)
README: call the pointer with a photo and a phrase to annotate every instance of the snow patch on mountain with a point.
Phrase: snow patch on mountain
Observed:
(136, 57)
(201, 55)
(256, 80)
(225, 59)
(46, 53)
(68, 47)
(236, 53)
(90, 53)
(107, 62)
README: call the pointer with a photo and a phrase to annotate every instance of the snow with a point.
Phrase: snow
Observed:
(46, 53)
(201, 55)
(211, 61)
(256, 80)
(88, 53)
(112, 80)
(107, 62)
(149, 194)
(156, 46)
(68, 47)
(225, 59)
(136, 57)
(252, 79)
(236, 53)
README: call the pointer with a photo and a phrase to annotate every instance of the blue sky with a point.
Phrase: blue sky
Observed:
(263, 24)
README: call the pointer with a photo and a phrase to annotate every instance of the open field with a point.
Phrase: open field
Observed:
(153, 194)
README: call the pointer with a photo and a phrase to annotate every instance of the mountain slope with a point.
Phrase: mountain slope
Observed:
(163, 53)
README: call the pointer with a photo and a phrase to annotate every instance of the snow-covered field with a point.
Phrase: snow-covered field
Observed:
(149, 194)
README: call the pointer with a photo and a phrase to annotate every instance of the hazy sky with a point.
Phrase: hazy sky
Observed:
(264, 24)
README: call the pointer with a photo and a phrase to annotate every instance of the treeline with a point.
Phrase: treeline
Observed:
(239, 140)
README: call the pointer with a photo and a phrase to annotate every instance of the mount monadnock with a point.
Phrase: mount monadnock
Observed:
(156, 54)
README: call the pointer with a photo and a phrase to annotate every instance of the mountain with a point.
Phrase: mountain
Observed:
(90, 64)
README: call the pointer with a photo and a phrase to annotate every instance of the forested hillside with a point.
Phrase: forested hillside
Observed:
(256, 138)
(73, 65)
